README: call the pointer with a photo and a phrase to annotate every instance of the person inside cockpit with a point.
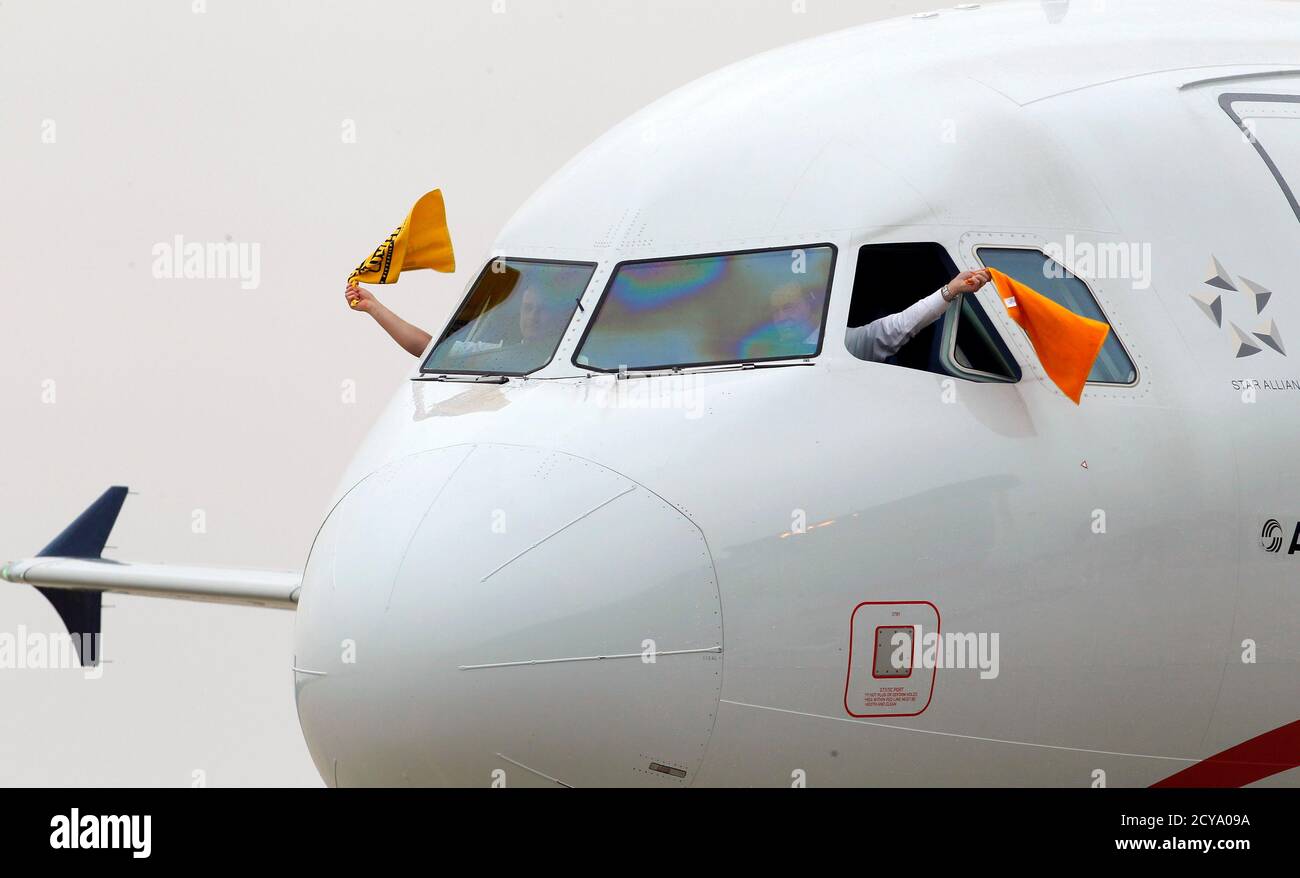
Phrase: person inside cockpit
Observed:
(540, 322)
(794, 313)
(409, 337)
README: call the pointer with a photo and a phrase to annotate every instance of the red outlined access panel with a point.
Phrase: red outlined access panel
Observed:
(881, 632)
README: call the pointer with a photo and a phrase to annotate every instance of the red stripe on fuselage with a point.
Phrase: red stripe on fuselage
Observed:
(1256, 759)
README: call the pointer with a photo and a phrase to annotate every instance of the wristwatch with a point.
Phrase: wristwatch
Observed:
(948, 296)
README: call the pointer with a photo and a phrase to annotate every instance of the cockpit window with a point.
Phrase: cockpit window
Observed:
(1037, 270)
(513, 318)
(742, 307)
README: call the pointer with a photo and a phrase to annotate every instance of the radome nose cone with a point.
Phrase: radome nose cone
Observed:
(498, 613)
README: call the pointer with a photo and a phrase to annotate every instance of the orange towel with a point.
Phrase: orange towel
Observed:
(1067, 344)
(423, 241)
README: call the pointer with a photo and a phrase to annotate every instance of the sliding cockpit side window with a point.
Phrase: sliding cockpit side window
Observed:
(963, 342)
(513, 318)
(750, 306)
(970, 346)
(1037, 270)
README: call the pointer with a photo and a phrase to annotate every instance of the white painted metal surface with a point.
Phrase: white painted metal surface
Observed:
(258, 588)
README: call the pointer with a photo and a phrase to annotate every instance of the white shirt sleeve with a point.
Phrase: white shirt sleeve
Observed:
(881, 339)
(469, 348)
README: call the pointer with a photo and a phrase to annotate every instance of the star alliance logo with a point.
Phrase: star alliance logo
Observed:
(1244, 343)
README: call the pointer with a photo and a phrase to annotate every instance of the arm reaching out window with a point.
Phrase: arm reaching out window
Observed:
(411, 338)
(881, 339)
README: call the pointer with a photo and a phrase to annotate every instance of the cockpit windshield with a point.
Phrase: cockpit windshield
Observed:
(725, 308)
(513, 318)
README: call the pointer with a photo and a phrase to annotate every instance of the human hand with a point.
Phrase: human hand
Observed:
(359, 298)
(967, 282)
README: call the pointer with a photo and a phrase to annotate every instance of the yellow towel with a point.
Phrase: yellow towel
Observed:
(423, 241)
(1067, 344)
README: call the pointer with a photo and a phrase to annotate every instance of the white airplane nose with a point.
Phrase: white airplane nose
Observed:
(499, 615)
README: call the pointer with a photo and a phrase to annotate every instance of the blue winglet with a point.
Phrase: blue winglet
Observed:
(84, 538)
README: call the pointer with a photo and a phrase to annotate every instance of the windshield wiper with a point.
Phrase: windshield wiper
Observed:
(466, 379)
(697, 370)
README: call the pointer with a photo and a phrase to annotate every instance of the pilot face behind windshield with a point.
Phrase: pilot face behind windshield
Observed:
(539, 321)
(793, 315)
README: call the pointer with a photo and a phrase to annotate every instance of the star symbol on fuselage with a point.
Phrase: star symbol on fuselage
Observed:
(1245, 343)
